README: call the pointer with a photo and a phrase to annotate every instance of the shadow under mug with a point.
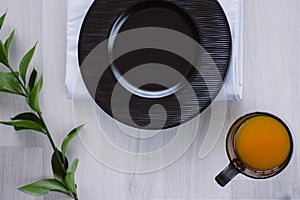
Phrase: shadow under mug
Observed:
(236, 166)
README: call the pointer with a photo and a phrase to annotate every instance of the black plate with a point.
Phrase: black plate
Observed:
(202, 20)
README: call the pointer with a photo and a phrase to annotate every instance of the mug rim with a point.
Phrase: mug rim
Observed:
(239, 165)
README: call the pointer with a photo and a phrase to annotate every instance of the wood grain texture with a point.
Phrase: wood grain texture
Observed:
(272, 83)
(16, 171)
(57, 109)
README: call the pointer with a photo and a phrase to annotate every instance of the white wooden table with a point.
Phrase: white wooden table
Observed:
(271, 83)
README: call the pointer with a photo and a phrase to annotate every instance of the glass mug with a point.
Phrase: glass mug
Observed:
(259, 145)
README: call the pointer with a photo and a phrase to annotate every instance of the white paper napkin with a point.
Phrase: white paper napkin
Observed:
(233, 86)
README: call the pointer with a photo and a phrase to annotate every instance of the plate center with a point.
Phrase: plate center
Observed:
(153, 14)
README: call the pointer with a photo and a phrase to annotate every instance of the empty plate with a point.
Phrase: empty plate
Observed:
(202, 20)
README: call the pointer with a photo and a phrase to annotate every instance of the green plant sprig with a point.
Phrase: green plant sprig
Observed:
(14, 82)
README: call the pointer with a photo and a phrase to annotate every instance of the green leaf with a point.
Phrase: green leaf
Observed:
(43, 187)
(3, 55)
(8, 41)
(34, 95)
(70, 182)
(2, 18)
(25, 62)
(69, 137)
(30, 117)
(74, 166)
(25, 125)
(26, 121)
(59, 172)
(70, 177)
(9, 84)
(32, 79)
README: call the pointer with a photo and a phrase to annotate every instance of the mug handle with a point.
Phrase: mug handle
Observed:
(226, 175)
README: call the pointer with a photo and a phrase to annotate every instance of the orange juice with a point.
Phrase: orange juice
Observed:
(262, 143)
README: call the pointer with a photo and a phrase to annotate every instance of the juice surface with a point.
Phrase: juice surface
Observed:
(262, 143)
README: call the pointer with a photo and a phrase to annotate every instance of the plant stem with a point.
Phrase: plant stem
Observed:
(21, 79)
(51, 142)
(43, 121)
(61, 162)
(48, 134)
(55, 149)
